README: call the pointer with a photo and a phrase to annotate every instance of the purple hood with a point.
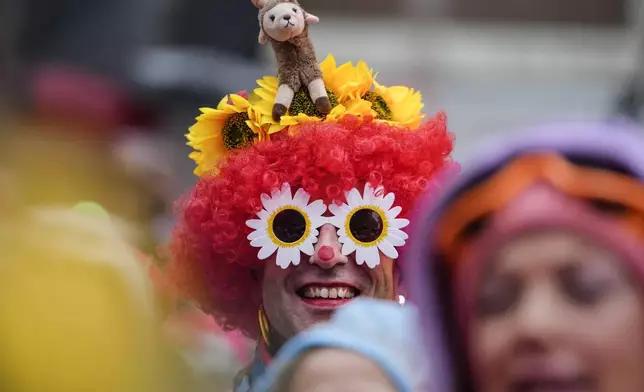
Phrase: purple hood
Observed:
(428, 280)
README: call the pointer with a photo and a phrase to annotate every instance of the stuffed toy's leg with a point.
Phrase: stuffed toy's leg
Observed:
(317, 91)
(283, 101)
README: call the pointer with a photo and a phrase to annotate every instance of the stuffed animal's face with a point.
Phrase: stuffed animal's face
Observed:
(285, 21)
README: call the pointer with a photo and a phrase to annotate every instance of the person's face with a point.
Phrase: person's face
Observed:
(296, 298)
(556, 312)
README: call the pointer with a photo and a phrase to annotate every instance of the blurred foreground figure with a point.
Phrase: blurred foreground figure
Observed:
(528, 277)
(76, 309)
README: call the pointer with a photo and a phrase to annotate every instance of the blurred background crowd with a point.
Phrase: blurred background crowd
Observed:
(97, 95)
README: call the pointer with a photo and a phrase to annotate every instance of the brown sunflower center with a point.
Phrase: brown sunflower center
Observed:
(379, 105)
(302, 103)
(236, 133)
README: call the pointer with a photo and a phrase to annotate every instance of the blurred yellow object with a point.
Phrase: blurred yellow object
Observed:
(90, 207)
(76, 309)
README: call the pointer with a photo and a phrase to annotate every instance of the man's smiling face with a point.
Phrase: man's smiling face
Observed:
(300, 296)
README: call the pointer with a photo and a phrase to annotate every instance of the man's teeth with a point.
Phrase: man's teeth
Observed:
(329, 292)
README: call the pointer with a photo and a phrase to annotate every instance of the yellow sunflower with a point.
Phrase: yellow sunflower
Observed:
(263, 99)
(358, 108)
(347, 81)
(398, 105)
(302, 118)
(218, 131)
(257, 123)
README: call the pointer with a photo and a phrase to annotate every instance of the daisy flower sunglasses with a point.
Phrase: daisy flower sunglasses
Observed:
(367, 224)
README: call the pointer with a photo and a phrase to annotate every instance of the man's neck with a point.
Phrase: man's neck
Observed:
(275, 343)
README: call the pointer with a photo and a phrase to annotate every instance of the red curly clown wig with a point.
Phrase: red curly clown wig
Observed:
(213, 261)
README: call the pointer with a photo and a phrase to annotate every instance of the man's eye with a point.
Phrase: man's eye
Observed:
(498, 296)
(583, 287)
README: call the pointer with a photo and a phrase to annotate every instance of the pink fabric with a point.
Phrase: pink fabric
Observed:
(70, 93)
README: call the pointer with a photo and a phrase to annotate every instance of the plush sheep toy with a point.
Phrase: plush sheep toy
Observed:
(285, 25)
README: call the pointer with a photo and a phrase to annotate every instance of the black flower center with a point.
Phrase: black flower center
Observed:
(289, 226)
(302, 103)
(366, 225)
(236, 133)
(379, 105)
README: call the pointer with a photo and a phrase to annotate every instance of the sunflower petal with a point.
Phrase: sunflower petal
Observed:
(240, 103)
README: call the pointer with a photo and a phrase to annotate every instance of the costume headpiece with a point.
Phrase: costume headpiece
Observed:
(319, 144)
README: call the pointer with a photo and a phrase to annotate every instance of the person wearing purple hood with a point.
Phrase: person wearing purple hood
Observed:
(527, 274)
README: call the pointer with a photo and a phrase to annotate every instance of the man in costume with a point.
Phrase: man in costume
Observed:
(294, 217)
(514, 270)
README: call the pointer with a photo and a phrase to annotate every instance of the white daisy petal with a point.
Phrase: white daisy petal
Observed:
(284, 199)
(288, 256)
(301, 198)
(261, 242)
(307, 248)
(269, 203)
(372, 257)
(378, 193)
(368, 195)
(257, 234)
(397, 233)
(282, 258)
(338, 210)
(395, 241)
(369, 255)
(279, 192)
(295, 255)
(353, 198)
(267, 251)
(373, 261)
(388, 250)
(398, 223)
(394, 212)
(256, 224)
(318, 222)
(264, 215)
(317, 208)
(387, 201)
(337, 221)
(348, 247)
(360, 255)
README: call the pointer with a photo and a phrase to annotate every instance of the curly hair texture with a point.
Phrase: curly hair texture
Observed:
(213, 262)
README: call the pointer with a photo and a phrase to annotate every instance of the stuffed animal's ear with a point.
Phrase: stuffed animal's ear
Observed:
(262, 37)
(312, 19)
(259, 3)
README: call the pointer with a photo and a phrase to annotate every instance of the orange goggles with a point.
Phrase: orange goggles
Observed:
(594, 185)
